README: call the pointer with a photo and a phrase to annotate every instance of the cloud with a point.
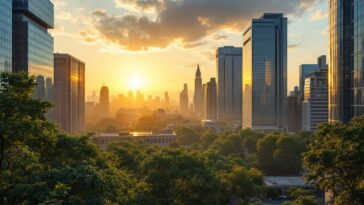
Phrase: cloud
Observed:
(318, 15)
(184, 21)
(293, 47)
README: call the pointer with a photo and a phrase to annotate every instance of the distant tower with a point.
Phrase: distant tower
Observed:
(131, 99)
(104, 102)
(198, 97)
(166, 99)
(210, 100)
(183, 101)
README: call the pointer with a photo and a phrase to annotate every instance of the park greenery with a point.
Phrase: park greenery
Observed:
(41, 165)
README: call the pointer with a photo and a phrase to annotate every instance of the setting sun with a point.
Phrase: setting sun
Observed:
(135, 83)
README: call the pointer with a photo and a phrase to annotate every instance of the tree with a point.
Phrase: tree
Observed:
(243, 183)
(280, 154)
(41, 165)
(335, 161)
(186, 136)
(178, 178)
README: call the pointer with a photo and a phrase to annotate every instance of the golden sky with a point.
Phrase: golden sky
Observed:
(157, 44)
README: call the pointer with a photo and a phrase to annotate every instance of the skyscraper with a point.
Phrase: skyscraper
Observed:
(69, 85)
(315, 103)
(294, 110)
(346, 69)
(265, 73)
(104, 104)
(198, 98)
(210, 100)
(32, 44)
(306, 70)
(183, 100)
(167, 99)
(6, 35)
(229, 65)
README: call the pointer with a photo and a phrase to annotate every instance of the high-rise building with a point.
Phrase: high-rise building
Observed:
(306, 70)
(198, 98)
(6, 23)
(139, 99)
(69, 85)
(265, 73)
(32, 44)
(210, 100)
(183, 101)
(167, 99)
(322, 62)
(346, 69)
(315, 102)
(131, 98)
(229, 65)
(294, 110)
(104, 104)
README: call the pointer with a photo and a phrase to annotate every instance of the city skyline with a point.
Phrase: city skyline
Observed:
(176, 60)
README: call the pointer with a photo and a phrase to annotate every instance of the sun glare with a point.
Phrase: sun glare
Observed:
(135, 83)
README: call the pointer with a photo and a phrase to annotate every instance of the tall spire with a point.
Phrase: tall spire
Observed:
(198, 71)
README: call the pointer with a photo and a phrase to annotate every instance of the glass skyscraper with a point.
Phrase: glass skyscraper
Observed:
(32, 44)
(306, 70)
(265, 73)
(5, 35)
(346, 70)
(229, 65)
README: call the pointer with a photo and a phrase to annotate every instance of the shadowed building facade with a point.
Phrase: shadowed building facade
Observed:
(229, 65)
(265, 73)
(183, 101)
(69, 84)
(32, 44)
(346, 69)
(198, 96)
(6, 35)
(210, 100)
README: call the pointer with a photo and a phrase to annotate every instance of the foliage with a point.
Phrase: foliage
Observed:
(39, 164)
(280, 154)
(336, 163)
(186, 136)
(176, 177)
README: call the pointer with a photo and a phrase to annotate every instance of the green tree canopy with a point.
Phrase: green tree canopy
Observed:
(335, 161)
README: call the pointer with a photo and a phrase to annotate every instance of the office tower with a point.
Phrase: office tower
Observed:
(6, 35)
(32, 44)
(183, 101)
(322, 63)
(306, 70)
(229, 65)
(104, 104)
(69, 85)
(294, 110)
(315, 102)
(198, 96)
(131, 99)
(265, 73)
(210, 100)
(139, 98)
(346, 69)
(166, 99)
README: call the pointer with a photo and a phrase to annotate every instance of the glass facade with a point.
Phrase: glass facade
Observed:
(305, 70)
(229, 68)
(346, 70)
(5, 35)
(265, 73)
(32, 44)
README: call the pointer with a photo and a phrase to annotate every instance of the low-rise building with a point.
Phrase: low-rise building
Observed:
(161, 139)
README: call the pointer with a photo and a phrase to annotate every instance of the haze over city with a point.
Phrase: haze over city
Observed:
(153, 46)
(182, 102)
